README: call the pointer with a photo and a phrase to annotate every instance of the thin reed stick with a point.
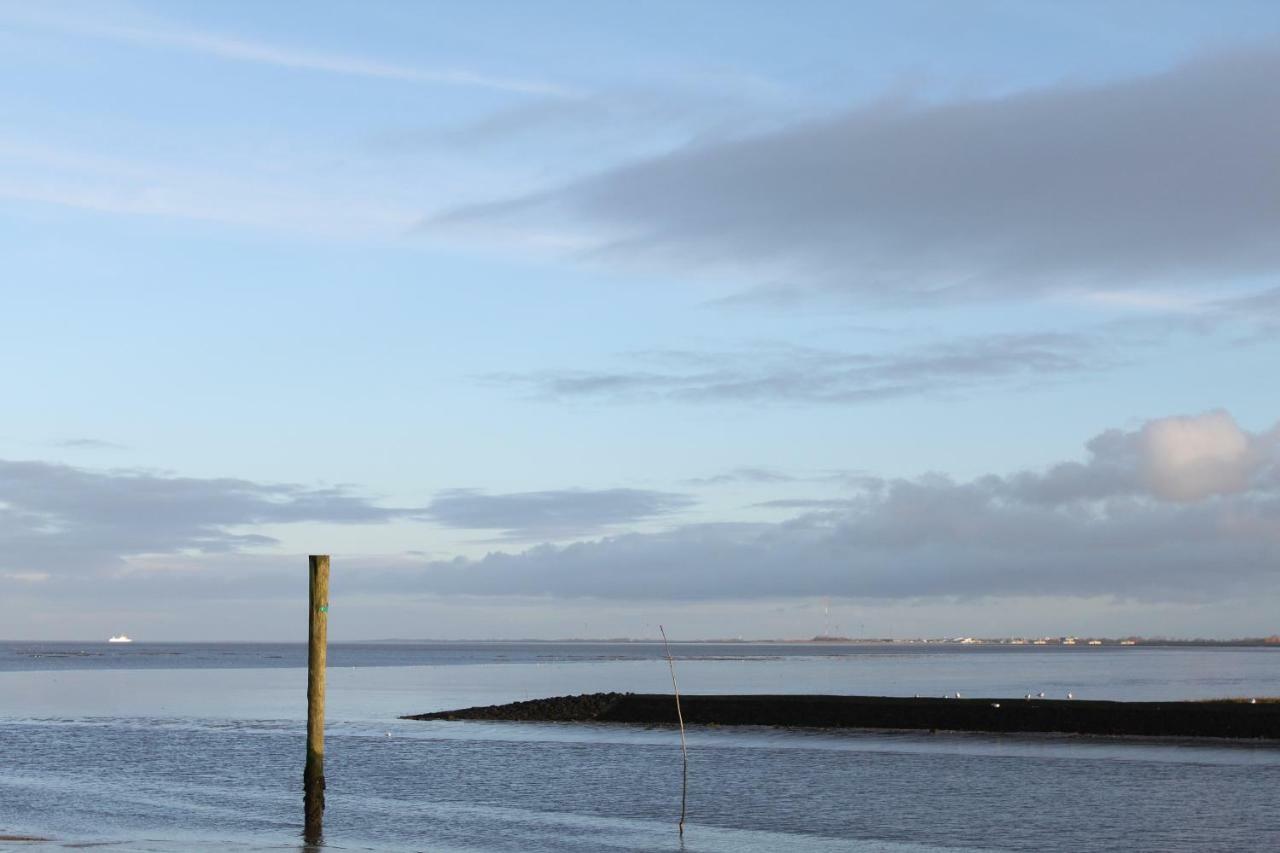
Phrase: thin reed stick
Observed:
(684, 749)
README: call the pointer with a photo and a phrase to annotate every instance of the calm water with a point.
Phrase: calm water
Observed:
(186, 747)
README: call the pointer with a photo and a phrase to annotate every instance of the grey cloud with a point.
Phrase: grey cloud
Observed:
(89, 444)
(915, 544)
(552, 514)
(627, 118)
(59, 517)
(771, 476)
(497, 128)
(1168, 178)
(1264, 304)
(1245, 318)
(1258, 312)
(811, 376)
(804, 503)
(1182, 509)
(744, 474)
(616, 122)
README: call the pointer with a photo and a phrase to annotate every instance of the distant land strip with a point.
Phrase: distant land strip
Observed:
(1226, 718)
(1272, 641)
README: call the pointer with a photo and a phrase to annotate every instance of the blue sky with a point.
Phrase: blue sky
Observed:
(567, 319)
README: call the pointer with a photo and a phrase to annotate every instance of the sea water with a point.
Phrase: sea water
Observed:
(156, 747)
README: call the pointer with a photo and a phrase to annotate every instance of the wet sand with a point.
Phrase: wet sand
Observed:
(1213, 719)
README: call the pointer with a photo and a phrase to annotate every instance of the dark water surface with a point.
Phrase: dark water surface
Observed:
(200, 747)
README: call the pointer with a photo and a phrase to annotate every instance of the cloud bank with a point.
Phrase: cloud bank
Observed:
(1165, 179)
(1182, 509)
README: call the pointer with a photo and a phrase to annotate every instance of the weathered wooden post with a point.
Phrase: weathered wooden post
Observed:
(318, 632)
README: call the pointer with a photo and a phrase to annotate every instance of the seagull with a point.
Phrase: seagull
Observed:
(1071, 695)
(995, 704)
(1040, 695)
(1028, 696)
(957, 694)
(1253, 701)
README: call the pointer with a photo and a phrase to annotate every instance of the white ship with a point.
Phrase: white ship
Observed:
(119, 638)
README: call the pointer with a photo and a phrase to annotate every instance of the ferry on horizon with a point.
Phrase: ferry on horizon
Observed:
(119, 638)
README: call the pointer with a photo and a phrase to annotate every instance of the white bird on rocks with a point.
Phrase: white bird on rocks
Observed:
(957, 694)
(995, 704)
(1071, 695)
(1040, 695)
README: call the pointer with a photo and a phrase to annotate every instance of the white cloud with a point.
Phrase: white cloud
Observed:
(1190, 458)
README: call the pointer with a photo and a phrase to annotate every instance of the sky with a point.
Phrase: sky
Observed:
(573, 319)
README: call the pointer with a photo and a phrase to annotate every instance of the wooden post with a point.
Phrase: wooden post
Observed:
(318, 634)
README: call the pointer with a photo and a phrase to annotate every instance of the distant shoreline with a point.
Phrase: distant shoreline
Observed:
(1212, 719)
(824, 642)
(1081, 643)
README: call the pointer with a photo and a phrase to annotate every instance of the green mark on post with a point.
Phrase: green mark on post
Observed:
(324, 608)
